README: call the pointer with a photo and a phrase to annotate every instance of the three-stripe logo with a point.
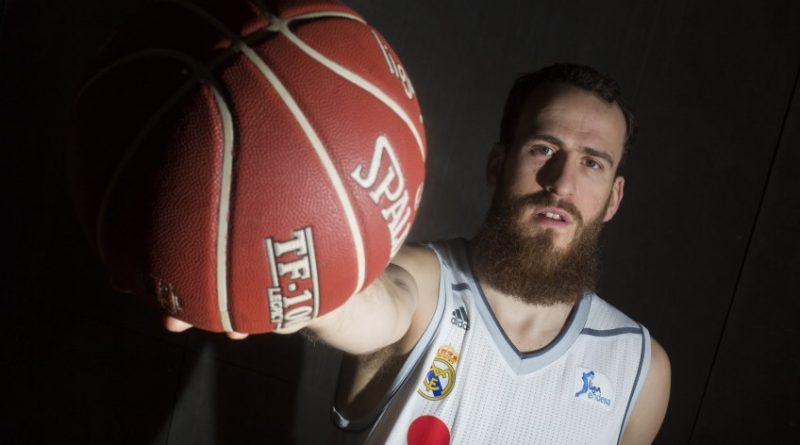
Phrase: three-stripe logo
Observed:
(460, 318)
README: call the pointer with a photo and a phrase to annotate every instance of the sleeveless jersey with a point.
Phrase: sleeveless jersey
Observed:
(466, 383)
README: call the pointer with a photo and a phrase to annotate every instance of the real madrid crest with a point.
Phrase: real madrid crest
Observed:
(441, 377)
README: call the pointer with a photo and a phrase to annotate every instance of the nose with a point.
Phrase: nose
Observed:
(558, 175)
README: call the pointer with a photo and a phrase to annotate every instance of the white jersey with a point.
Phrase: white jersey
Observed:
(465, 382)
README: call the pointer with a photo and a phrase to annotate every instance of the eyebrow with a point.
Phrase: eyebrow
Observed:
(599, 154)
(585, 149)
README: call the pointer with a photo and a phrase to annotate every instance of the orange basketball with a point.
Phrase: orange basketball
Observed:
(248, 165)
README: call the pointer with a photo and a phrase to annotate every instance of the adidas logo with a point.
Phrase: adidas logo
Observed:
(460, 318)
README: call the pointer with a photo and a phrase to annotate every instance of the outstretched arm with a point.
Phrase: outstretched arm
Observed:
(372, 319)
(384, 313)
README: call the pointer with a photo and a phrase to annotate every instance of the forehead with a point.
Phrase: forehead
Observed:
(573, 115)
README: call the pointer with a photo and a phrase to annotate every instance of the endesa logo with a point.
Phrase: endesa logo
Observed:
(594, 387)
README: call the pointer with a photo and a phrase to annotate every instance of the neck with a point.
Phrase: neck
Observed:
(530, 327)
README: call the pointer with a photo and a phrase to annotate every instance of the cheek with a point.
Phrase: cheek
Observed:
(522, 179)
(594, 203)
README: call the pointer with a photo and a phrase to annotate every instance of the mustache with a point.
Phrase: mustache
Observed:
(544, 199)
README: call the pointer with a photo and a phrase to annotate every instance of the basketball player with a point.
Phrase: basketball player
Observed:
(500, 339)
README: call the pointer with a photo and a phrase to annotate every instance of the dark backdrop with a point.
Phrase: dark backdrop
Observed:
(705, 250)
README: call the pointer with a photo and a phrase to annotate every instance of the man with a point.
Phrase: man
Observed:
(500, 339)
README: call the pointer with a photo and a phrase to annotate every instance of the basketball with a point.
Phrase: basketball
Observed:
(248, 165)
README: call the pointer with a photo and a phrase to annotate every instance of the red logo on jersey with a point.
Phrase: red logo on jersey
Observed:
(428, 430)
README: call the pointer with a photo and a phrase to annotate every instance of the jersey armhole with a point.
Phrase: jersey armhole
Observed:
(641, 375)
(411, 362)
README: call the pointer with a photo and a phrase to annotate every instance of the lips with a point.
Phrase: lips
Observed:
(554, 215)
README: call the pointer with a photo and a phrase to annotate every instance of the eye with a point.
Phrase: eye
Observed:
(543, 150)
(591, 163)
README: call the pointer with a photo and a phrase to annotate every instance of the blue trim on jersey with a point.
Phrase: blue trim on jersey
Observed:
(631, 398)
(611, 332)
(568, 326)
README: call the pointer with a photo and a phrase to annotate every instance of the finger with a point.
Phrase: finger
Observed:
(174, 325)
(236, 335)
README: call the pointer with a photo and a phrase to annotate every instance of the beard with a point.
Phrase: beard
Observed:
(530, 267)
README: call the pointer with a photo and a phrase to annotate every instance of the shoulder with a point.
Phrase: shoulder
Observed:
(416, 257)
(425, 262)
(422, 265)
(603, 316)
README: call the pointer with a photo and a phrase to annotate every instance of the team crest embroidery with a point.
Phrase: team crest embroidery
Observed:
(594, 387)
(441, 377)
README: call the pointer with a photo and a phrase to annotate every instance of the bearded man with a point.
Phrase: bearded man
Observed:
(501, 339)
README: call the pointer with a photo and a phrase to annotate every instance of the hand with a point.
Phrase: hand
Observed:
(174, 325)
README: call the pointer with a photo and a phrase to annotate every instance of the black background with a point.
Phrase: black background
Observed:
(705, 250)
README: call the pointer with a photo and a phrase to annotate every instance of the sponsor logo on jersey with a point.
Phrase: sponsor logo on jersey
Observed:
(428, 430)
(441, 377)
(594, 387)
(460, 318)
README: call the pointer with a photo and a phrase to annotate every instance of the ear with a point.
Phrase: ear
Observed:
(494, 165)
(614, 200)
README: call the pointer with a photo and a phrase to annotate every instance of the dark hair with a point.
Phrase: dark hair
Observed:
(581, 76)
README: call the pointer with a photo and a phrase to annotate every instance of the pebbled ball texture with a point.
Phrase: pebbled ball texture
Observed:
(249, 165)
